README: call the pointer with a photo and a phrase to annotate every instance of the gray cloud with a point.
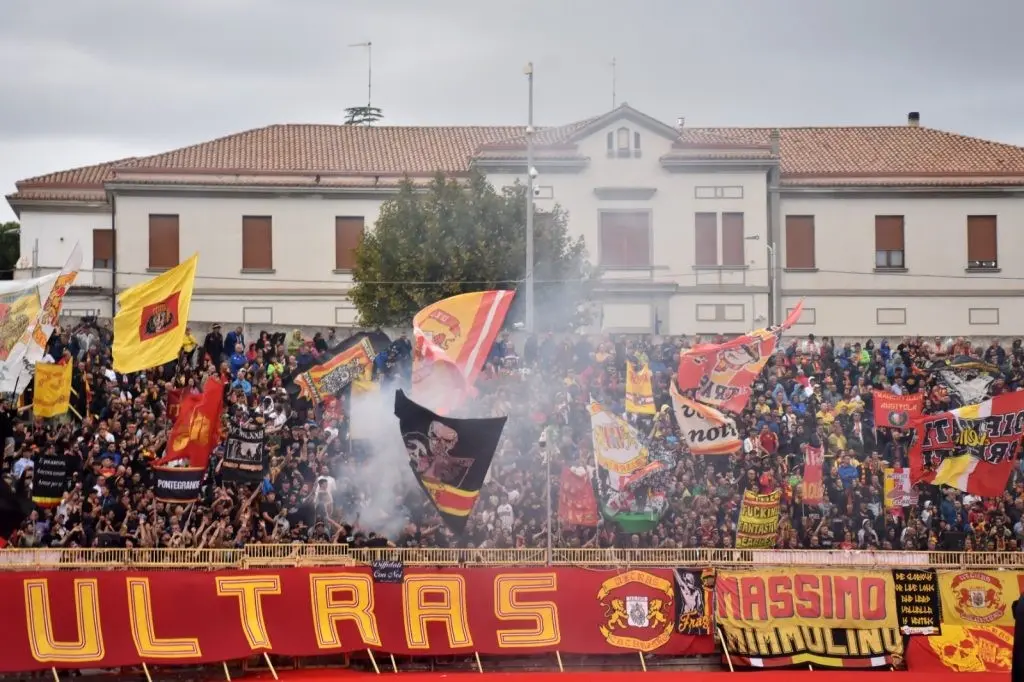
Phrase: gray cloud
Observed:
(80, 78)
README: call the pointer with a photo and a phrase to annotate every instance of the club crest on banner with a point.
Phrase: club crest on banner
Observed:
(977, 597)
(159, 318)
(441, 328)
(639, 610)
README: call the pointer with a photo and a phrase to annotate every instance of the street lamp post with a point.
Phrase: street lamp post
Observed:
(772, 292)
(530, 173)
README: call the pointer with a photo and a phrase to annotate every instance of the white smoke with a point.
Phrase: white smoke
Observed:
(383, 478)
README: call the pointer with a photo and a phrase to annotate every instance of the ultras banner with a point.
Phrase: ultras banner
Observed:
(118, 618)
(977, 624)
(826, 617)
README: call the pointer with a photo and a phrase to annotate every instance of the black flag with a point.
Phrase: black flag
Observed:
(245, 453)
(13, 510)
(450, 457)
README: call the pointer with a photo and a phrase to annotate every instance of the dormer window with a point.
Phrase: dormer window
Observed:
(622, 135)
(623, 143)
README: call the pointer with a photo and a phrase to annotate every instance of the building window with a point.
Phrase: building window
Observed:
(163, 242)
(800, 242)
(889, 242)
(257, 243)
(636, 142)
(705, 232)
(732, 240)
(625, 239)
(623, 139)
(982, 245)
(348, 232)
(102, 249)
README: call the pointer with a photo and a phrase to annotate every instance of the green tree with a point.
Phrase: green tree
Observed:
(10, 248)
(362, 116)
(459, 237)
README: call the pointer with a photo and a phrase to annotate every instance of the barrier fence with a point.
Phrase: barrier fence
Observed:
(299, 555)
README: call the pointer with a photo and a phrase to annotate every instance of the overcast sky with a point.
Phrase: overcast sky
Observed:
(91, 81)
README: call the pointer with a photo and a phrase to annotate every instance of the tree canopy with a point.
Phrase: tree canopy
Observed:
(10, 248)
(362, 116)
(459, 237)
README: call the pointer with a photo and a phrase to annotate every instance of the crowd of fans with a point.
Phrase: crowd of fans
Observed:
(316, 490)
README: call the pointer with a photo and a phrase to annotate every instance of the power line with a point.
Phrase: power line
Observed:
(662, 277)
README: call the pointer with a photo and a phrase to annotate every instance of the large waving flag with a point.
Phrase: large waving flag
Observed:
(452, 340)
(196, 430)
(449, 457)
(150, 327)
(721, 374)
(31, 346)
(973, 448)
(332, 377)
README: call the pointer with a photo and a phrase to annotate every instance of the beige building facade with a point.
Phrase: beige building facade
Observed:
(883, 231)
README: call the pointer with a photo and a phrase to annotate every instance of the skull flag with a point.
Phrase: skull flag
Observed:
(449, 457)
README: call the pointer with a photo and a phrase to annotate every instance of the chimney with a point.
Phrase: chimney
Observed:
(914, 119)
(776, 142)
(681, 122)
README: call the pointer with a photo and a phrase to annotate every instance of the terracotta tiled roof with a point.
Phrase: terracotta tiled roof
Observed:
(76, 184)
(364, 150)
(86, 176)
(360, 156)
(875, 151)
(553, 136)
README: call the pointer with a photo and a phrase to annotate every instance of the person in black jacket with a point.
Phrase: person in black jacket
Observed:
(213, 344)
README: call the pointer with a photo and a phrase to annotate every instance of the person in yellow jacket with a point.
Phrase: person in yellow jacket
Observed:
(189, 345)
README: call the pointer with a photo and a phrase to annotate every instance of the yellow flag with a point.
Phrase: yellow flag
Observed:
(52, 392)
(150, 327)
(639, 391)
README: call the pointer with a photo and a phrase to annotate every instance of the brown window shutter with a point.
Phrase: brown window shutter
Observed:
(888, 233)
(625, 239)
(705, 231)
(982, 243)
(800, 241)
(348, 232)
(102, 249)
(732, 240)
(163, 241)
(612, 247)
(257, 243)
(638, 244)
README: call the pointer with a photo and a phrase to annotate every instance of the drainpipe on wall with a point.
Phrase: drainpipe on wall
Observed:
(113, 256)
(774, 230)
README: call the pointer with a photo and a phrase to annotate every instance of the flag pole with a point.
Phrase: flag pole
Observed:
(547, 458)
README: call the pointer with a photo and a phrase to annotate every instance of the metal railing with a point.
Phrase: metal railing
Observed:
(268, 556)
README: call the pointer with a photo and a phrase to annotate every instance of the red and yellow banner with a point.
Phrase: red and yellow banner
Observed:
(721, 374)
(827, 617)
(120, 618)
(978, 649)
(577, 505)
(896, 411)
